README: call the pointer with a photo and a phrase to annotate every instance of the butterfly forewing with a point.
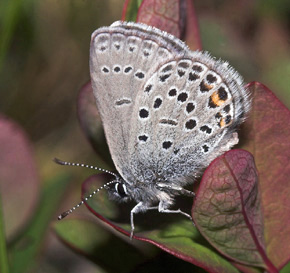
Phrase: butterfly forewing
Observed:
(123, 58)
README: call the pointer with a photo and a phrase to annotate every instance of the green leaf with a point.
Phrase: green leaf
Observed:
(285, 269)
(130, 10)
(99, 245)
(24, 250)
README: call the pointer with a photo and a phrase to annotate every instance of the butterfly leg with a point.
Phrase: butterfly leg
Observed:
(176, 189)
(163, 208)
(140, 207)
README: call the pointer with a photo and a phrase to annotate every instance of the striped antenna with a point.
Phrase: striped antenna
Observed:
(66, 213)
(60, 162)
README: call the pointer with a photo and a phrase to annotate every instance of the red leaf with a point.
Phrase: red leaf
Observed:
(227, 208)
(167, 15)
(267, 133)
(174, 16)
(19, 181)
(192, 35)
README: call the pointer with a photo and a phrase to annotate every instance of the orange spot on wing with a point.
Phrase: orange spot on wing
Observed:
(222, 123)
(208, 86)
(215, 99)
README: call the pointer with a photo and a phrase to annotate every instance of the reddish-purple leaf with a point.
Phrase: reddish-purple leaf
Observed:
(167, 15)
(174, 16)
(91, 122)
(227, 209)
(248, 269)
(267, 137)
(192, 35)
(19, 182)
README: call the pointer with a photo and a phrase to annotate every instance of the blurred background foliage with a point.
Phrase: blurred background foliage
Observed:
(44, 55)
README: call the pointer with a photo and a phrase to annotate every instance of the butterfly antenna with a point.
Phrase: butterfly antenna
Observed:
(66, 213)
(60, 162)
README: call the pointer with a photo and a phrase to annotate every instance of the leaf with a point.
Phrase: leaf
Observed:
(130, 10)
(19, 181)
(286, 269)
(192, 35)
(174, 16)
(248, 269)
(168, 15)
(91, 122)
(227, 208)
(267, 137)
(98, 244)
(25, 249)
(172, 233)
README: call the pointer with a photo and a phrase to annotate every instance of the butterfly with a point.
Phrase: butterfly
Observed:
(167, 112)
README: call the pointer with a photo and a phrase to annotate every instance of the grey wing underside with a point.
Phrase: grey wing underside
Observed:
(193, 107)
(123, 57)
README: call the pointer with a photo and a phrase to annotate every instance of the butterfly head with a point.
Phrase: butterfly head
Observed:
(118, 191)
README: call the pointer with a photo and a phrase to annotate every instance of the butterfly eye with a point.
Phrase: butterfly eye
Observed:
(121, 189)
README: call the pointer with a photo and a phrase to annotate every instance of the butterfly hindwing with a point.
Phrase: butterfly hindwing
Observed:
(186, 119)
